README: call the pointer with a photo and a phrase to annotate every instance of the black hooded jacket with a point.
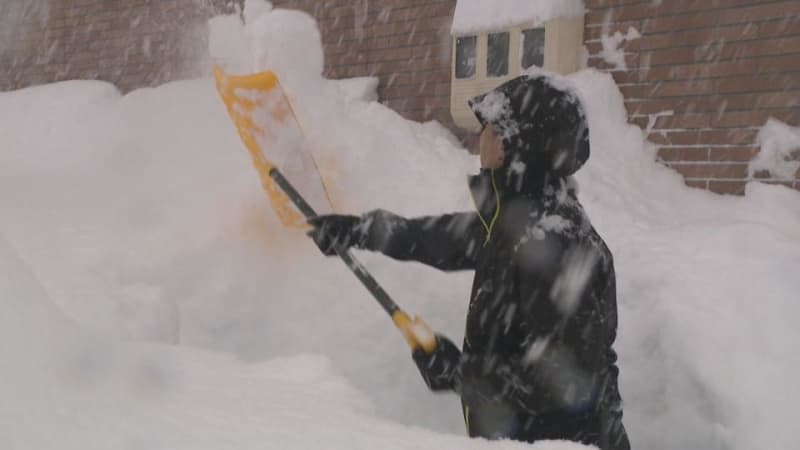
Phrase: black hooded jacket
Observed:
(537, 358)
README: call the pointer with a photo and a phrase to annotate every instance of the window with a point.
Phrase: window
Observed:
(466, 48)
(533, 48)
(497, 57)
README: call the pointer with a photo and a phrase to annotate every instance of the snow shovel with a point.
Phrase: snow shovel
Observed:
(265, 119)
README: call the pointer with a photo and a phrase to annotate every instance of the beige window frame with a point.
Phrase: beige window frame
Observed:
(562, 47)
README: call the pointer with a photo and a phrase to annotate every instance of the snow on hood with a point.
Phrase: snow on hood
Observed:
(482, 15)
(543, 126)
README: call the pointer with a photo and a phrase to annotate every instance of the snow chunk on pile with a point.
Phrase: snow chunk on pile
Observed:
(284, 41)
(612, 53)
(474, 16)
(780, 150)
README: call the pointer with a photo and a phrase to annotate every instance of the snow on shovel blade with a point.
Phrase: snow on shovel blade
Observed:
(271, 133)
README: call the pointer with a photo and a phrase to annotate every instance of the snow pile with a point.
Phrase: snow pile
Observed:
(65, 389)
(706, 292)
(144, 221)
(612, 53)
(780, 151)
(268, 40)
(475, 16)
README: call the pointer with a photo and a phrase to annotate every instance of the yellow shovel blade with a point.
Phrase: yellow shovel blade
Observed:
(249, 98)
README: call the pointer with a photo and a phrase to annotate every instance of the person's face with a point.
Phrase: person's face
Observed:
(491, 149)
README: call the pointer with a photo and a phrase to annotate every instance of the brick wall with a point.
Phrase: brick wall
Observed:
(131, 43)
(723, 67)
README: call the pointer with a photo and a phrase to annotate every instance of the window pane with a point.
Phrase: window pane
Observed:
(533, 48)
(465, 56)
(497, 62)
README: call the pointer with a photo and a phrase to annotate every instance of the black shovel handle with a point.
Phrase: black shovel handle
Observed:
(417, 333)
(358, 269)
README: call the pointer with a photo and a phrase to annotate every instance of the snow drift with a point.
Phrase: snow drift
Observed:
(474, 16)
(173, 311)
(779, 155)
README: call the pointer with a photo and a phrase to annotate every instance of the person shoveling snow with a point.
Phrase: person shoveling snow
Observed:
(537, 360)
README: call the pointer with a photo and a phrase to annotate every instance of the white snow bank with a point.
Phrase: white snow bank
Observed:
(284, 41)
(143, 220)
(63, 389)
(706, 292)
(474, 16)
(780, 150)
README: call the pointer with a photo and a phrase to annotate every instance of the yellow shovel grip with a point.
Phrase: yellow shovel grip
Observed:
(417, 333)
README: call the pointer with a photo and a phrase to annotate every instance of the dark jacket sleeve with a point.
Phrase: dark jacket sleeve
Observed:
(558, 364)
(447, 242)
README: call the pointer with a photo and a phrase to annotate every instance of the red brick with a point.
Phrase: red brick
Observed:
(700, 170)
(409, 104)
(759, 12)
(730, 33)
(625, 14)
(599, 4)
(777, 100)
(725, 15)
(704, 137)
(388, 54)
(648, 106)
(683, 153)
(594, 48)
(385, 42)
(764, 47)
(416, 77)
(640, 122)
(786, 26)
(694, 6)
(700, 184)
(718, 104)
(424, 89)
(784, 63)
(727, 187)
(713, 70)
(763, 83)
(635, 91)
(755, 118)
(741, 154)
(678, 22)
(683, 121)
(680, 88)
(651, 42)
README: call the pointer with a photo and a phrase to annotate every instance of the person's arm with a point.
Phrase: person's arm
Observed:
(447, 242)
(558, 363)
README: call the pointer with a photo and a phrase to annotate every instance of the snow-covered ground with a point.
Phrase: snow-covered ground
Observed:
(150, 299)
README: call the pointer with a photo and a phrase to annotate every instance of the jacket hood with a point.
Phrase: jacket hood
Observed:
(544, 130)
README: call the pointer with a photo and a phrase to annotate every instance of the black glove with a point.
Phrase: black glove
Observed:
(440, 368)
(336, 231)
(477, 381)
